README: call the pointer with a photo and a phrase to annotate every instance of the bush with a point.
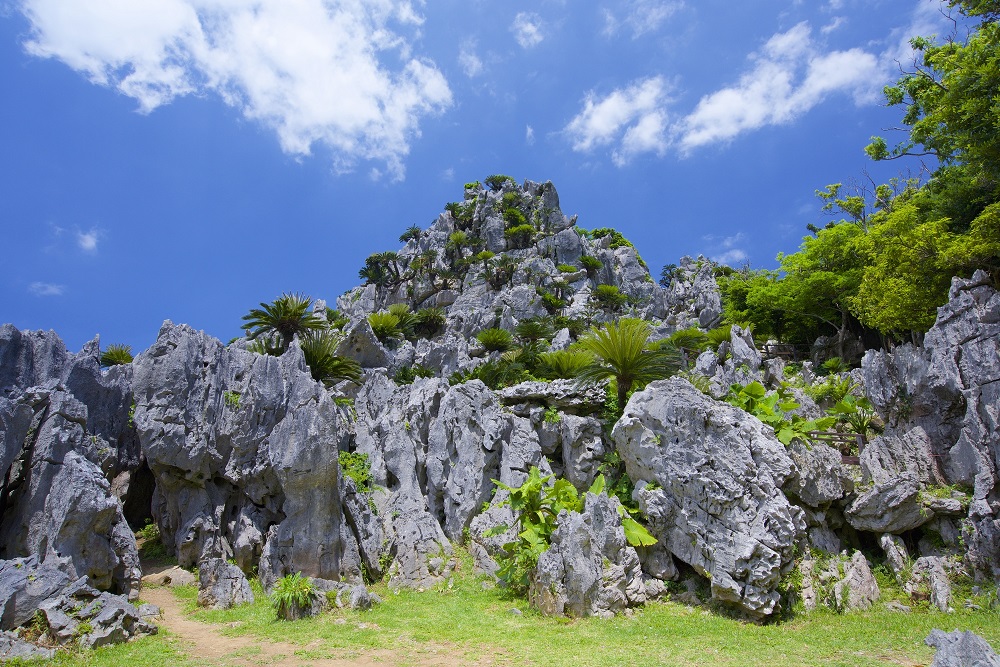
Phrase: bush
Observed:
(567, 268)
(407, 374)
(565, 364)
(412, 233)
(533, 329)
(407, 320)
(385, 326)
(429, 322)
(577, 327)
(514, 218)
(292, 597)
(116, 355)
(495, 340)
(551, 302)
(609, 298)
(591, 264)
(356, 466)
(325, 365)
(519, 237)
(497, 181)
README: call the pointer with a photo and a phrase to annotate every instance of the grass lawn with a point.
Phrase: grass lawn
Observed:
(477, 621)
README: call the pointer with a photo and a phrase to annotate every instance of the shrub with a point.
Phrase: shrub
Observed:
(292, 597)
(719, 335)
(116, 354)
(551, 302)
(591, 264)
(473, 185)
(232, 399)
(385, 326)
(617, 240)
(412, 233)
(497, 181)
(495, 339)
(510, 200)
(771, 408)
(514, 218)
(565, 364)
(429, 322)
(533, 329)
(356, 466)
(609, 298)
(407, 374)
(407, 319)
(567, 268)
(285, 317)
(325, 365)
(576, 326)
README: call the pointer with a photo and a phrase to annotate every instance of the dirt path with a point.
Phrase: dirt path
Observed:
(204, 645)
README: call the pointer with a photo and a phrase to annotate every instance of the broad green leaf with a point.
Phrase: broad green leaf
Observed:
(636, 534)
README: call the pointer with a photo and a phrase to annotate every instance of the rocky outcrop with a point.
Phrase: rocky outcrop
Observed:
(86, 617)
(589, 569)
(242, 447)
(708, 478)
(939, 402)
(222, 585)
(961, 649)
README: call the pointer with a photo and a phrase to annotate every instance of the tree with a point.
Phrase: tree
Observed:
(286, 316)
(621, 352)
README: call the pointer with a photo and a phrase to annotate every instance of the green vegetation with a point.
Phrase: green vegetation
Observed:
(116, 354)
(325, 365)
(495, 339)
(292, 597)
(567, 268)
(536, 505)
(566, 364)
(285, 317)
(609, 298)
(497, 181)
(412, 233)
(881, 271)
(621, 352)
(773, 409)
(407, 374)
(385, 326)
(591, 264)
(429, 322)
(356, 466)
(519, 236)
(232, 399)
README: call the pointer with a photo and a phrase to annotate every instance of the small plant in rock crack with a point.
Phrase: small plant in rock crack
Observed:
(293, 596)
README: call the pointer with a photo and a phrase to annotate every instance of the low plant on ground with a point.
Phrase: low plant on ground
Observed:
(495, 339)
(292, 596)
(565, 364)
(232, 399)
(407, 319)
(567, 268)
(609, 298)
(429, 322)
(857, 412)
(519, 236)
(116, 354)
(407, 374)
(591, 264)
(536, 505)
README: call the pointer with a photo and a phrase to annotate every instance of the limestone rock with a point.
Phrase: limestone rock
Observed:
(961, 649)
(222, 585)
(87, 617)
(819, 476)
(718, 504)
(13, 647)
(857, 588)
(24, 585)
(168, 576)
(564, 395)
(589, 569)
(891, 507)
(930, 577)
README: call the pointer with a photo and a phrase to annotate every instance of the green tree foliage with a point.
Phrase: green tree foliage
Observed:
(621, 352)
(285, 317)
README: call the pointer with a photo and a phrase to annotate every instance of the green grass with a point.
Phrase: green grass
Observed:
(474, 620)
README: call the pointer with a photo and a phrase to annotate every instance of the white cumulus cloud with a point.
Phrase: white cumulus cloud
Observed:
(46, 289)
(334, 73)
(790, 76)
(471, 63)
(529, 135)
(639, 16)
(527, 29)
(633, 119)
(727, 250)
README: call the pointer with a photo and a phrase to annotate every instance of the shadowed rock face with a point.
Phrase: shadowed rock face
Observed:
(717, 502)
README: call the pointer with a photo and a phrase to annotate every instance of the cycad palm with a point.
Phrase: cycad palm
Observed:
(288, 315)
(621, 352)
(320, 352)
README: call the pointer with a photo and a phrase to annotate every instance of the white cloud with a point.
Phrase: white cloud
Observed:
(87, 241)
(727, 250)
(833, 25)
(448, 174)
(470, 62)
(634, 118)
(527, 29)
(789, 77)
(46, 289)
(529, 135)
(640, 16)
(316, 72)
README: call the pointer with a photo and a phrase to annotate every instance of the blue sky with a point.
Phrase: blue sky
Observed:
(188, 159)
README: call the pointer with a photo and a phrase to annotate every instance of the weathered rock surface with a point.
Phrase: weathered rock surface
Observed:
(589, 569)
(819, 477)
(24, 585)
(961, 649)
(222, 585)
(857, 588)
(716, 503)
(563, 395)
(90, 618)
(13, 647)
(944, 397)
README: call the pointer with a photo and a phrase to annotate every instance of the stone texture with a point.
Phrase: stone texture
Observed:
(222, 585)
(930, 577)
(24, 585)
(857, 589)
(13, 647)
(718, 505)
(111, 619)
(564, 395)
(819, 476)
(961, 649)
(170, 576)
(589, 569)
